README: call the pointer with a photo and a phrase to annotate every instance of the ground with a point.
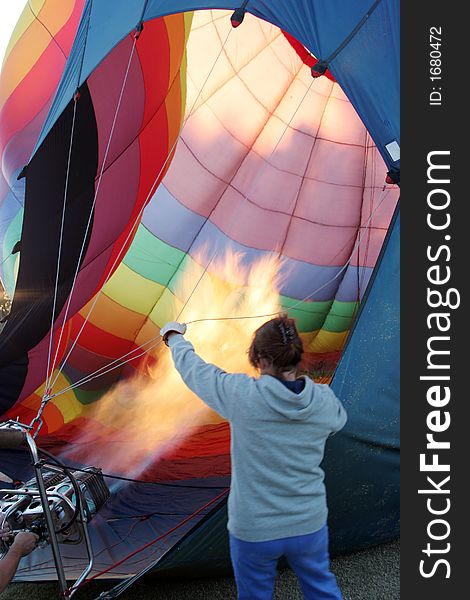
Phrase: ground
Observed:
(372, 574)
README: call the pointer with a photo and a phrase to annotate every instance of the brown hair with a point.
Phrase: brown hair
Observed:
(278, 342)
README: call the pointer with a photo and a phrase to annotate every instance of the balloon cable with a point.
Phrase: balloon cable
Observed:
(118, 362)
(152, 343)
(135, 224)
(132, 480)
(67, 176)
(245, 197)
(237, 318)
(156, 341)
(113, 126)
(61, 238)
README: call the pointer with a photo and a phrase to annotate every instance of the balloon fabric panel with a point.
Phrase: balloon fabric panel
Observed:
(135, 147)
(268, 162)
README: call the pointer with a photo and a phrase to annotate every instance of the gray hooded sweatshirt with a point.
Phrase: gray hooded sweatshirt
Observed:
(277, 444)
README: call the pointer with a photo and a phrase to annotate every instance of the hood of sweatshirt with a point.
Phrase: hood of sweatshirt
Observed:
(297, 407)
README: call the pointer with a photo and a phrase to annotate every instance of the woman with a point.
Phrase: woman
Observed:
(279, 425)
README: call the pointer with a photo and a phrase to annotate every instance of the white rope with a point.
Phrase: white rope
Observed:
(49, 352)
(258, 175)
(343, 268)
(59, 253)
(112, 365)
(137, 219)
(69, 300)
(245, 197)
(119, 361)
(98, 372)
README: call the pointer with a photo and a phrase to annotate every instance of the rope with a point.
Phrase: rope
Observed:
(104, 370)
(76, 98)
(196, 286)
(109, 367)
(117, 363)
(116, 112)
(61, 238)
(358, 243)
(368, 158)
(245, 197)
(101, 371)
(148, 544)
(37, 418)
(137, 219)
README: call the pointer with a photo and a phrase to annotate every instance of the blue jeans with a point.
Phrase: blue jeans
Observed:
(255, 563)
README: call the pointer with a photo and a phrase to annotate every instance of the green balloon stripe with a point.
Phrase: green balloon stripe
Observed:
(158, 261)
(334, 316)
(152, 258)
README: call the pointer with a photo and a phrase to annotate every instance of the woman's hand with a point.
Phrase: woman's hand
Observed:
(170, 328)
(25, 542)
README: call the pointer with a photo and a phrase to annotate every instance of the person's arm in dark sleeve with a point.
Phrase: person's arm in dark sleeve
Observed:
(221, 391)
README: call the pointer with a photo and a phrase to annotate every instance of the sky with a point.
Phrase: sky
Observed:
(10, 11)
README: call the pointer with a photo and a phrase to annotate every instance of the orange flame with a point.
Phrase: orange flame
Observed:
(150, 416)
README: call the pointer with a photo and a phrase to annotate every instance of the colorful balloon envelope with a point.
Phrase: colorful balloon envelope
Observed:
(169, 166)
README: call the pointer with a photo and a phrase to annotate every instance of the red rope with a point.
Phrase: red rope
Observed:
(164, 535)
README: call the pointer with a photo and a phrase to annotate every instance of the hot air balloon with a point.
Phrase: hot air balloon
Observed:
(158, 163)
